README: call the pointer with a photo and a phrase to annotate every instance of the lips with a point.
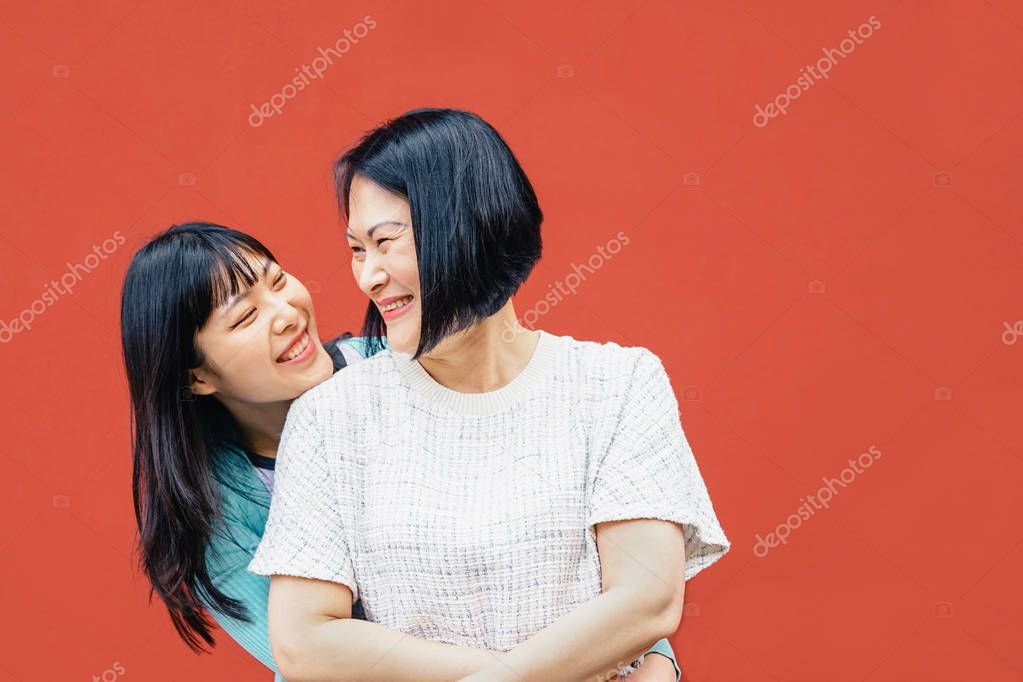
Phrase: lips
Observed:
(296, 348)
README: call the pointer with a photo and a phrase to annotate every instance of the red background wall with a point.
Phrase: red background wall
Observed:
(894, 184)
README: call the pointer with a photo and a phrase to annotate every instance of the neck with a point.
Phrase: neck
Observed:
(260, 424)
(485, 357)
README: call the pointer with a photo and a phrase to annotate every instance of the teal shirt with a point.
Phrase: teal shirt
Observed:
(245, 505)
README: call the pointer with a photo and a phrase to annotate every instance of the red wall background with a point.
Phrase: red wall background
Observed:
(846, 276)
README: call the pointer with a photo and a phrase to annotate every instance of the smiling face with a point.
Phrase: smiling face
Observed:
(384, 259)
(262, 345)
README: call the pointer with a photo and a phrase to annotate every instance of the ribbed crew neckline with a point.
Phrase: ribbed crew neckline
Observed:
(489, 402)
(261, 461)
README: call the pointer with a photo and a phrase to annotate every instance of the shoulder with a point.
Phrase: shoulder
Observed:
(606, 361)
(232, 469)
(602, 378)
(348, 391)
(244, 498)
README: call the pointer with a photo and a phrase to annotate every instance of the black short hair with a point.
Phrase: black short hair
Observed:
(476, 219)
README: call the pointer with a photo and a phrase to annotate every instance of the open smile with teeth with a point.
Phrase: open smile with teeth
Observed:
(296, 348)
(396, 304)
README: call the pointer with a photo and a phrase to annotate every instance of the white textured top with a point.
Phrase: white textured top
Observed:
(467, 518)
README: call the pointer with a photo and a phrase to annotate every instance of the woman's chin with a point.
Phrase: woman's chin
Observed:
(319, 370)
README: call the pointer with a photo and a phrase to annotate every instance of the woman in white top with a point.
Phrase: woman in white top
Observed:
(514, 491)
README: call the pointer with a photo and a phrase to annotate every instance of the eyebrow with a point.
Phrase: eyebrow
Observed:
(369, 232)
(230, 303)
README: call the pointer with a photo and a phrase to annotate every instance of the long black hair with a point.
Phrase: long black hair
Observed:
(171, 287)
(475, 215)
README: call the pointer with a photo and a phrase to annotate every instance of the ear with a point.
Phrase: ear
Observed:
(199, 382)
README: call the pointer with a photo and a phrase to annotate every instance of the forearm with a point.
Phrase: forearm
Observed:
(341, 649)
(594, 627)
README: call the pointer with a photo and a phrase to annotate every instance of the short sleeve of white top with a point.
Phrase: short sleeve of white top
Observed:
(305, 533)
(468, 518)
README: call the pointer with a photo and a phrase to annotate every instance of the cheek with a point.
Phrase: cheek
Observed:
(410, 269)
(301, 298)
(250, 370)
(247, 355)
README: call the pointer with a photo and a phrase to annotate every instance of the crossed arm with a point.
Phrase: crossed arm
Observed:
(313, 636)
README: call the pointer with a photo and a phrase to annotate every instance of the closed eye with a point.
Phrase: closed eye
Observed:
(246, 316)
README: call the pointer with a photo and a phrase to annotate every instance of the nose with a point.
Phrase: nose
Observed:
(286, 317)
(372, 276)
